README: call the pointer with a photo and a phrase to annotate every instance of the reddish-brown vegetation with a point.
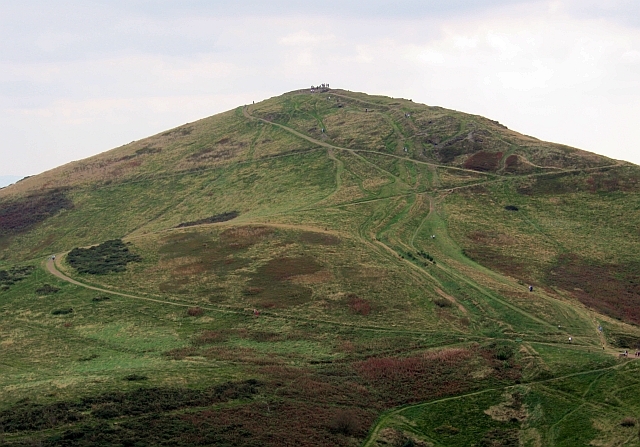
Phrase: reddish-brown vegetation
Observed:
(262, 424)
(412, 379)
(22, 214)
(271, 286)
(181, 353)
(209, 337)
(484, 161)
(609, 288)
(195, 311)
(359, 305)
(493, 258)
(319, 238)
(511, 162)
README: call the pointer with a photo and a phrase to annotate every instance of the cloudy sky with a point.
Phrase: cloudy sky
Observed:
(81, 77)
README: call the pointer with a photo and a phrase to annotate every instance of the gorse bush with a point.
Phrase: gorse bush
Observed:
(108, 257)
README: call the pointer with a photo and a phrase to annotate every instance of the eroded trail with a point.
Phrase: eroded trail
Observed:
(247, 115)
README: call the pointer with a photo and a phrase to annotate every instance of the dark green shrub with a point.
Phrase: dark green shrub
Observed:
(110, 256)
(14, 275)
(344, 422)
(135, 377)
(442, 302)
(223, 217)
(62, 311)
(47, 289)
(503, 351)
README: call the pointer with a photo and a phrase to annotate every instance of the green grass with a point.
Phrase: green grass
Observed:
(320, 289)
(575, 410)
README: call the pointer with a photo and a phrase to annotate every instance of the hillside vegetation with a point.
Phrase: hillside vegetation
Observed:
(357, 266)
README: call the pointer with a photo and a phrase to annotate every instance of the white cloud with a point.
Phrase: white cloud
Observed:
(631, 57)
(305, 38)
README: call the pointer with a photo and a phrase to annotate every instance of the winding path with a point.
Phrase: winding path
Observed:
(53, 269)
(387, 416)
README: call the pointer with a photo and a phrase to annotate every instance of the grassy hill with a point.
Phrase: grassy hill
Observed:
(357, 266)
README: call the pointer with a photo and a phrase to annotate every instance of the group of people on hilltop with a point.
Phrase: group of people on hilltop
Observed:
(319, 87)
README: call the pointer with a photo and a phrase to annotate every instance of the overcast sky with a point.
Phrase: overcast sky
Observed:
(81, 77)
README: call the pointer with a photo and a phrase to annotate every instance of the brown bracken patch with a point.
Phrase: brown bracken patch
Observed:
(274, 284)
(612, 289)
(310, 237)
(484, 161)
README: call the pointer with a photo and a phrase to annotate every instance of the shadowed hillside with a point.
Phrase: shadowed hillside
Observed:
(339, 261)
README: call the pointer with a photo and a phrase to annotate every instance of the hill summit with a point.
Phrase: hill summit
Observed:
(368, 269)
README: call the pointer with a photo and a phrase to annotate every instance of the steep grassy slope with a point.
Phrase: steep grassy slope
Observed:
(323, 258)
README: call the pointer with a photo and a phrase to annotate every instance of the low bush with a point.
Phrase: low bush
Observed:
(503, 351)
(344, 422)
(62, 311)
(135, 377)
(29, 416)
(110, 256)
(47, 289)
(195, 311)
(13, 275)
(511, 208)
(442, 302)
(98, 299)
